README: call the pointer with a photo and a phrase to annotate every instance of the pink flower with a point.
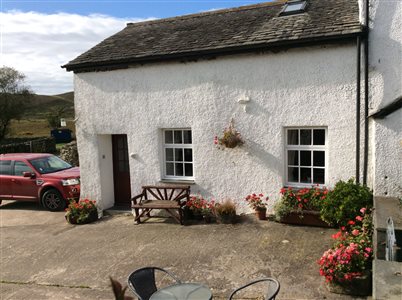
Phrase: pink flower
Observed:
(355, 232)
(368, 249)
(359, 218)
(363, 210)
(351, 222)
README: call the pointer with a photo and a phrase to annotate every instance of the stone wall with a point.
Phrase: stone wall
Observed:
(37, 145)
(69, 153)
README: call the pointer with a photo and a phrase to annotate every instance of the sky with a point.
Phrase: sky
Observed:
(37, 37)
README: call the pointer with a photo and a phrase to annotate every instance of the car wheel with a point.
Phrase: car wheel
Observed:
(53, 201)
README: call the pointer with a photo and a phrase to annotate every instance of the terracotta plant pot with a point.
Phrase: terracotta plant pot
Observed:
(359, 286)
(306, 218)
(261, 214)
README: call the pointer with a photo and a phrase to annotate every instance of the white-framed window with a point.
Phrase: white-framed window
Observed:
(294, 7)
(306, 156)
(178, 154)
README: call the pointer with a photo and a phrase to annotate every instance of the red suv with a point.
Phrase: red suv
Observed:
(43, 178)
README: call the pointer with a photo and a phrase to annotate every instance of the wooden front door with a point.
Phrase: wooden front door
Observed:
(121, 171)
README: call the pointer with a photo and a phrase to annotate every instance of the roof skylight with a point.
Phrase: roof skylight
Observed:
(294, 7)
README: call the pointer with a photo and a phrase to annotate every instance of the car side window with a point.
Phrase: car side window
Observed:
(21, 167)
(5, 167)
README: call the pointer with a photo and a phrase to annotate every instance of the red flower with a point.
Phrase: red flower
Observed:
(351, 222)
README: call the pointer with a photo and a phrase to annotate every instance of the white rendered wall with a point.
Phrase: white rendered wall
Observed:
(300, 87)
(385, 55)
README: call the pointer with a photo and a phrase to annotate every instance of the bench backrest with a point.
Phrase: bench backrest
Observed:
(168, 193)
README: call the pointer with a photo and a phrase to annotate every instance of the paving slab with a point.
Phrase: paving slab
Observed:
(43, 257)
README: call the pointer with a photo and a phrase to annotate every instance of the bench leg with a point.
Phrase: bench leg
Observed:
(137, 219)
(181, 216)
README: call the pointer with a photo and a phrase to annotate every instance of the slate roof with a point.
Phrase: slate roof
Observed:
(237, 29)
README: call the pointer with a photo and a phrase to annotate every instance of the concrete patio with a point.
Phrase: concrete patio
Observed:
(43, 257)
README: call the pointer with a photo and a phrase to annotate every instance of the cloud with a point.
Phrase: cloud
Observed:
(37, 44)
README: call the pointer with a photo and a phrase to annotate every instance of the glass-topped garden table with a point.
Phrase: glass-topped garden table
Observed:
(183, 291)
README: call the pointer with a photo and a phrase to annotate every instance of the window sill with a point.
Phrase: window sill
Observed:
(190, 182)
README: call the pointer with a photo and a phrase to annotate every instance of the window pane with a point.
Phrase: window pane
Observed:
(179, 169)
(169, 169)
(5, 167)
(188, 168)
(168, 137)
(319, 176)
(293, 158)
(187, 137)
(178, 154)
(290, 7)
(293, 174)
(20, 167)
(178, 137)
(188, 154)
(305, 175)
(305, 136)
(319, 137)
(293, 137)
(305, 158)
(169, 154)
(319, 158)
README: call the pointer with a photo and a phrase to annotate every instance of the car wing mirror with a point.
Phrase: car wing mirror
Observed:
(28, 174)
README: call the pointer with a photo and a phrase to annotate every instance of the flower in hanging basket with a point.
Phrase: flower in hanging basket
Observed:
(231, 137)
(82, 212)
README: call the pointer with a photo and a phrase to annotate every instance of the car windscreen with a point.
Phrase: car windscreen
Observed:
(49, 164)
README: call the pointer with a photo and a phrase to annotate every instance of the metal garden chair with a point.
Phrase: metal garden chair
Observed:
(273, 288)
(143, 284)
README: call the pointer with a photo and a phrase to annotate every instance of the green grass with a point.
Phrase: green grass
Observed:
(34, 123)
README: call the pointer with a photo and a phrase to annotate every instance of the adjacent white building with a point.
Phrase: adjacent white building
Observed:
(150, 100)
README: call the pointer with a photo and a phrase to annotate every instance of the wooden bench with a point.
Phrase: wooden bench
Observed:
(169, 198)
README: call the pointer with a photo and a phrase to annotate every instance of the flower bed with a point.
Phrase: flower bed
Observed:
(301, 207)
(304, 218)
(199, 208)
(82, 212)
(347, 265)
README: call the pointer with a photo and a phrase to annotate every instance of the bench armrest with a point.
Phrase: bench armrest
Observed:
(135, 198)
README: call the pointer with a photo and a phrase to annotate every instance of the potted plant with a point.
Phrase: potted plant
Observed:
(302, 206)
(82, 212)
(200, 208)
(226, 212)
(347, 265)
(257, 203)
(231, 137)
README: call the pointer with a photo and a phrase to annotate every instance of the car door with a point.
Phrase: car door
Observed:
(24, 188)
(5, 180)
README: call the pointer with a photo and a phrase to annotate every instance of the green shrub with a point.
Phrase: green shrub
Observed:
(344, 202)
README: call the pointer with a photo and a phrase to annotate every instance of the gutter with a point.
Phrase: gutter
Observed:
(366, 94)
(209, 53)
(358, 82)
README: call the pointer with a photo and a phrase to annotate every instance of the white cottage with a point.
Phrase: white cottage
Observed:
(150, 99)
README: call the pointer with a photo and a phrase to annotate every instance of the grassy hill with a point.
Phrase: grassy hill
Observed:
(42, 105)
(34, 122)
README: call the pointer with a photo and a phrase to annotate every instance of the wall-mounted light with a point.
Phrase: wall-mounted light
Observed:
(244, 100)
